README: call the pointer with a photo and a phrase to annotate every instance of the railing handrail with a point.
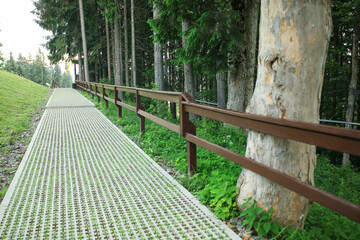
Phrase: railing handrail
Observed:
(339, 139)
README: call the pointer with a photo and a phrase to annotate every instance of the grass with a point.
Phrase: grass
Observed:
(19, 98)
(215, 182)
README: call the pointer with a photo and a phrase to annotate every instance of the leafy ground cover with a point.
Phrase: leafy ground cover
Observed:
(19, 98)
(215, 182)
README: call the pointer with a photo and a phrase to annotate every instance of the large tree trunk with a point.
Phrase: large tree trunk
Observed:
(353, 84)
(133, 60)
(108, 49)
(242, 73)
(294, 38)
(158, 59)
(126, 48)
(83, 36)
(188, 66)
(221, 89)
(117, 51)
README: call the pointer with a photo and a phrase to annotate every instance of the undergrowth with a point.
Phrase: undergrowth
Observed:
(214, 184)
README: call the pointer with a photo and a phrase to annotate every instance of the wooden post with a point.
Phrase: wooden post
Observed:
(105, 95)
(187, 127)
(140, 107)
(117, 99)
(92, 93)
(97, 93)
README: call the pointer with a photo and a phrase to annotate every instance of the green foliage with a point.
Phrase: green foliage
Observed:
(261, 221)
(330, 225)
(211, 36)
(19, 98)
(220, 192)
(343, 182)
(334, 97)
(56, 75)
(37, 70)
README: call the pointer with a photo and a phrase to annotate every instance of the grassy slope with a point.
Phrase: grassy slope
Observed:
(19, 97)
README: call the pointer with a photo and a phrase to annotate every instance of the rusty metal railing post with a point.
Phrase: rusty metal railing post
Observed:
(187, 127)
(140, 107)
(117, 99)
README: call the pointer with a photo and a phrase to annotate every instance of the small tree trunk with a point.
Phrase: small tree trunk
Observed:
(221, 89)
(251, 32)
(188, 66)
(113, 47)
(294, 38)
(353, 84)
(83, 36)
(158, 59)
(242, 72)
(117, 52)
(108, 49)
(133, 59)
(166, 68)
(81, 77)
(126, 48)
(121, 58)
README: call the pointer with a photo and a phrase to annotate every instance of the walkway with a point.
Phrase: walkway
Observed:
(81, 177)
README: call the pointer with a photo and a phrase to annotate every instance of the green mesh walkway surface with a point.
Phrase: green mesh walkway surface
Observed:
(81, 177)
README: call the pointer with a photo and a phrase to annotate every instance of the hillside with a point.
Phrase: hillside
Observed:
(19, 98)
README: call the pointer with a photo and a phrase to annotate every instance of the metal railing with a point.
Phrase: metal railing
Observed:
(340, 122)
(334, 138)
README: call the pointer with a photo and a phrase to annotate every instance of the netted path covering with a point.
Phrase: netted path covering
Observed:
(81, 177)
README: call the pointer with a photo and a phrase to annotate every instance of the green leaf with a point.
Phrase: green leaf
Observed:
(229, 201)
(267, 227)
(261, 232)
(275, 228)
(258, 210)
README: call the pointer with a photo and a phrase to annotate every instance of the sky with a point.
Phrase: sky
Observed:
(19, 33)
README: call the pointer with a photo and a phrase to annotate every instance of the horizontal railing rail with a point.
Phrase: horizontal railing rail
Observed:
(339, 139)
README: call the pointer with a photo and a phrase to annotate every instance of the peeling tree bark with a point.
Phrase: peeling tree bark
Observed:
(294, 37)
